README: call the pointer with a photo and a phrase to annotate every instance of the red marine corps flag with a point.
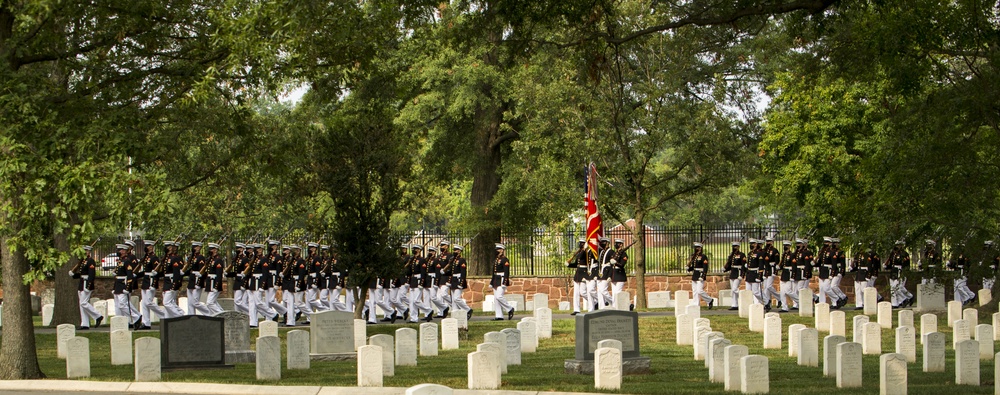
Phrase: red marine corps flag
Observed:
(595, 228)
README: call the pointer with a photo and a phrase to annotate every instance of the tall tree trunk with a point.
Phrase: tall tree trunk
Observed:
(18, 360)
(360, 301)
(67, 303)
(639, 232)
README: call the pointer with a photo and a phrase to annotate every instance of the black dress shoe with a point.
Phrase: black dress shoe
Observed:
(406, 313)
(372, 323)
(710, 303)
(575, 313)
(631, 307)
(429, 317)
(779, 305)
(97, 322)
(859, 308)
(510, 314)
(365, 315)
(734, 308)
(498, 319)
(137, 323)
(595, 306)
(83, 328)
(297, 316)
(468, 315)
(386, 319)
(444, 313)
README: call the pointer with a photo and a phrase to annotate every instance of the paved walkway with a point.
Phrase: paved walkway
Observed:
(116, 388)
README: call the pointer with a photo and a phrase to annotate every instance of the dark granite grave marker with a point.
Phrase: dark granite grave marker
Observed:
(593, 327)
(193, 342)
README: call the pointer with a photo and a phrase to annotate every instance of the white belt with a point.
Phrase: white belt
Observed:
(335, 274)
(416, 276)
(456, 275)
(149, 274)
(85, 276)
(211, 276)
(898, 267)
(257, 275)
(698, 269)
(169, 275)
(121, 277)
(273, 271)
(295, 277)
(432, 275)
(501, 274)
(312, 274)
(827, 266)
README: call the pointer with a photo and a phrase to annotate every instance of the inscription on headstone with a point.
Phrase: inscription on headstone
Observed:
(858, 328)
(484, 370)
(934, 352)
(830, 344)
(298, 350)
(77, 357)
(543, 317)
(428, 339)
(406, 347)
(121, 348)
(906, 344)
(385, 343)
(147, 359)
(529, 335)
(838, 323)
(984, 335)
(370, 366)
(64, 332)
(731, 376)
(928, 324)
(607, 324)
(608, 368)
(967, 363)
(268, 358)
(449, 334)
(754, 375)
(332, 332)
(717, 360)
(892, 373)
(849, 365)
(237, 335)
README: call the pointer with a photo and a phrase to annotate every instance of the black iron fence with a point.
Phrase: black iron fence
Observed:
(541, 253)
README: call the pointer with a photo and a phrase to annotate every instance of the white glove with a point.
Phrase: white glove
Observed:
(613, 261)
(197, 274)
(71, 273)
(153, 273)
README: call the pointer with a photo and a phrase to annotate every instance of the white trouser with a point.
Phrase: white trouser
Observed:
(929, 280)
(258, 305)
(769, 291)
(438, 297)
(386, 302)
(418, 304)
(240, 297)
(87, 310)
(333, 300)
(458, 301)
(350, 298)
(616, 288)
(376, 297)
(292, 301)
(195, 307)
(603, 295)
(444, 293)
(825, 290)
(212, 303)
(400, 298)
(124, 308)
(591, 294)
(272, 301)
(835, 286)
(324, 298)
(757, 291)
(859, 292)
(312, 299)
(579, 289)
(899, 292)
(500, 304)
(170, 304)
(962, 291)
(988, 283)
(698, 289)
(734, 286)
(148, 305)
(788, 292)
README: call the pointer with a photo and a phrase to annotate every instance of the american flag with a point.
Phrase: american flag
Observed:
(595, 228)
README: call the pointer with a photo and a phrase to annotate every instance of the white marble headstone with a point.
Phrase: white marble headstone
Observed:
(462, 316)
(885, 314)
(64, 332)
(754, 375)
(77, 357)
(657, 300)
(608, 368)
(984, 335)
(732, 377)
(147, 359)
(121, 348)
(822, 313)
(370, 366)
(385, 343)
(772, 333)
(872, 338)
(622, 300)
(960, 330)
(267, 328)
(119, 323)
(928, 324)
(449, 334)
(268, 358)
(972, 316)
(428, 339)
(848, 365)
(484, 370)
(406, 347)
(906, 343)
(297, 349)
(793, 339)
(830, 344)
(808, 354)
(717, 359)
(543, 317)
(838, 323)
(858, 328)
(529, 336)
(501, 341)
(744, 299)
(954, 312)
(513, 344)
(681, 301)
(934, 352)
(540, 300)
(360, 333)
(47, 314)
(905, 318)
(870, 301)
(967, 363)
(684, 330)
(805, 302)
(892, 373)
(756, 318)
(494, 349)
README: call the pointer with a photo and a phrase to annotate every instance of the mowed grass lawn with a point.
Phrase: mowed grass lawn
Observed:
(674, 370)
